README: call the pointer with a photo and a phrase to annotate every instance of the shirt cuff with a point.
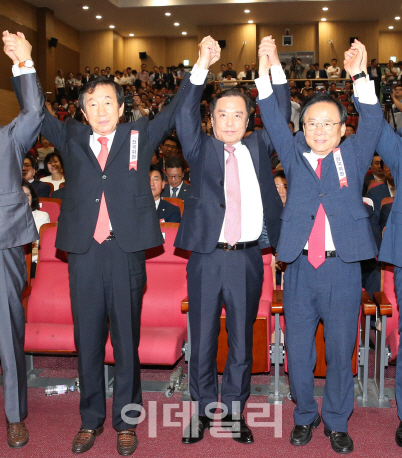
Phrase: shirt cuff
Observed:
(264, 87)
(17, 71)
(365, 92)
(198, 75)
(278, 75)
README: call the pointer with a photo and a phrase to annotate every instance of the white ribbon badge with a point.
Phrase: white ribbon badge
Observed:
(133, 150)
(340, 168)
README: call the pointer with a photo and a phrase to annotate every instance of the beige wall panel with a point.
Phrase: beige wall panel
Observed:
(19, 12)
(389, 44)
(9, 107)
(118, 52)
(235, 51)
(178, 49)
(67, 36)
(96, 49)
(304, 36)
(155, 47)
(340, 33)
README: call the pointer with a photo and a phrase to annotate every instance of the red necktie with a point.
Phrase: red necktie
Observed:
(232, 231)
(316, 241)
(102, 229)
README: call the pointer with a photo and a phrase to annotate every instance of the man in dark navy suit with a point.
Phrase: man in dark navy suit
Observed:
(390, 149)
(167, 212)
(175, 187)
(325, 232)
(29, 169)
(232, 193)
(386, 189)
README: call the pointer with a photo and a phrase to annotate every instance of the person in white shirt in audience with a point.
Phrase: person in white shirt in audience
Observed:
(333, 70)
(54, 165)
(60, 85)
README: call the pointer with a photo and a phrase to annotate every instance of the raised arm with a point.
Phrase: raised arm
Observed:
(370, 113)
(188, 116)
(275, 116)
(25, 128)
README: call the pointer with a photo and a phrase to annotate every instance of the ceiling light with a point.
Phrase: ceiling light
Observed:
(323, 19)
(111, 26)
(167, 14)
(325, 8)
(98, 17)
(184, 33)
(391, 27)
(397, 18)
(250, 22)
(176, 24)
(85, 7)
(246, 11)
(131, 34)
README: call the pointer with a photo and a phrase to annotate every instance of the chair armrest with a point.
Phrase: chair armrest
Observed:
(383, 304)
(369, 307)
(277, 301)
(184, 305)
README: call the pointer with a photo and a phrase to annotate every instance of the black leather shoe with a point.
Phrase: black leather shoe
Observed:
(340, 442)
(240, 431)
(398, 435)
(195, 430)
(302, 434)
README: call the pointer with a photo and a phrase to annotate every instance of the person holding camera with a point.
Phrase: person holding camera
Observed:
(296, 69)
(134, 105)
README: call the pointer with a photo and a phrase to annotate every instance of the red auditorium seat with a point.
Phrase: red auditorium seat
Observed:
(51, 206)
(163, 327)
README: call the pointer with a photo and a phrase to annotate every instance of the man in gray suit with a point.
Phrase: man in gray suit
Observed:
(17, 228)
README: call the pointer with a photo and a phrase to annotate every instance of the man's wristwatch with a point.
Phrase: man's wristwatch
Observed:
(357, 76)
(26, 64)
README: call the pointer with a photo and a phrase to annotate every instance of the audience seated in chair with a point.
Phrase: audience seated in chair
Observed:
(167, 212)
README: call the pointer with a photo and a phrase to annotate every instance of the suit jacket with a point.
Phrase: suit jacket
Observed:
(384, 215)
(159, 84)
(127, 192)
(376, 79)
(41, 188)
(86, 78)
(204, 211)
(390, 149)
(168, 212)
(17, 226)
(248, 75)
(350, 227)
(183, 193)
(310, 74)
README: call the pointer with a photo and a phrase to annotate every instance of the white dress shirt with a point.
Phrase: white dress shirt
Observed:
(157, 202)
(333, 69)
(96, 149)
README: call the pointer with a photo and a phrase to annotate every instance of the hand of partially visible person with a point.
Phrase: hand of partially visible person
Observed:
(268, 55)
(10, 46)
(208, 53)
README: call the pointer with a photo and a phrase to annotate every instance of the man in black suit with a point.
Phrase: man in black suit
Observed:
(167, 212)
(377, 172)
(17, 228)
(161, 78)
(170, 147)
(86, 76)
(232, 194)
(252, 74)
(109, 73)
(175, 175)
(29, 169)
(106, 223)
(374, 71)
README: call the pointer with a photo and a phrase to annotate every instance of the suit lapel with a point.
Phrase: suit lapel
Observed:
(253, 146)
(326, 165)
(82, 139)
(122, 130)
(219, 150)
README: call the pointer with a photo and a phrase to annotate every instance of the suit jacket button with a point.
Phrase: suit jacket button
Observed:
(321, 194)
(312, 216)
(222, 206)
(104, 177)
(97, 201)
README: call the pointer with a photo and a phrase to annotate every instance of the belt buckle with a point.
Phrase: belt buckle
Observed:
(226, 245)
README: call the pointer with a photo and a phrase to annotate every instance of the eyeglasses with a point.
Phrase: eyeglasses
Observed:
(170, 146)
(327, 126)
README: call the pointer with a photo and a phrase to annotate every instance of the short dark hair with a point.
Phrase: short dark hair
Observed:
(336, 60)
(327, 64)
(230, 93)
(334, 93)
(91, 86)
(229, 63)
(31, 157)
(316, 64)
(320, 98)
(156, 168)
(174, 162)
(280, 174)
(354, 129)
(50, 156)
(283, 63)
(373, 60)
(172, 138)
(35, 199)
